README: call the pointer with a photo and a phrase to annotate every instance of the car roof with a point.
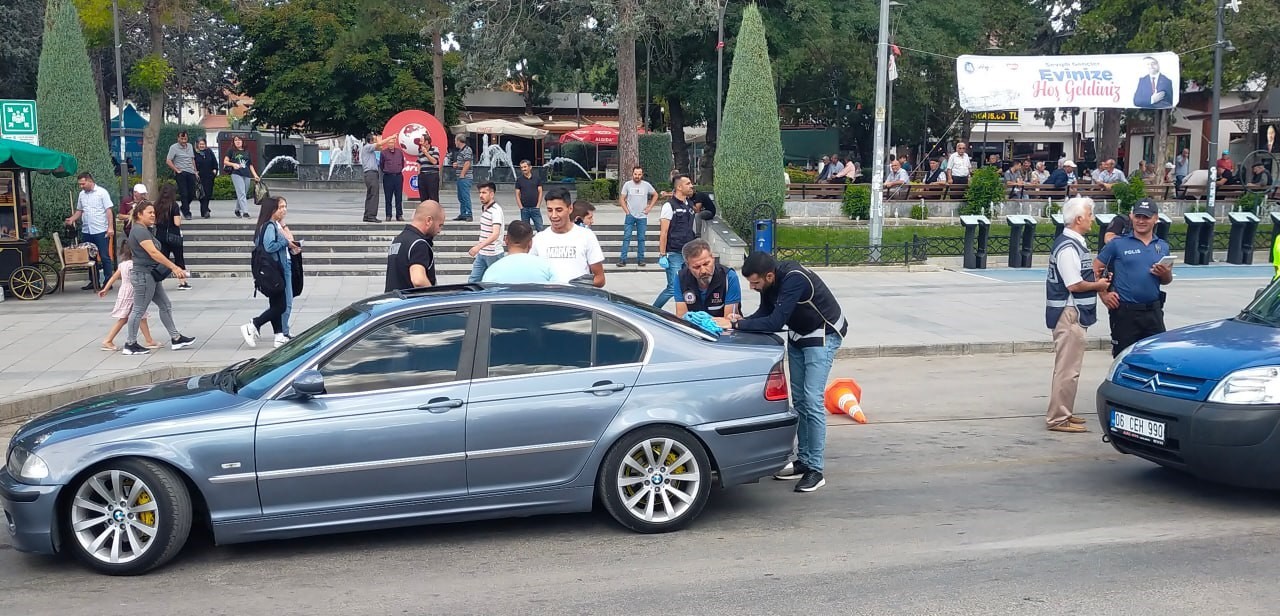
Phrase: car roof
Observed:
(396, 300)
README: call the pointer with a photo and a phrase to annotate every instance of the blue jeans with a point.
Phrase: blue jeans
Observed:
(393, 193)
(640, 224)
(100, 240)
(675, 261)
(464, 197)
(810, 368)
(533, 216)
(481, 265)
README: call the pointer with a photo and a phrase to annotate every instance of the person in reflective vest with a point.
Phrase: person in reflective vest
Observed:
(1071, 306)
(706, 286)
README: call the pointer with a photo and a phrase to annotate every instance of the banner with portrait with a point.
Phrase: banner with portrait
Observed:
(1123, 81)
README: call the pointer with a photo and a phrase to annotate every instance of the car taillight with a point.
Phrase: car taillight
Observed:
(775, 388)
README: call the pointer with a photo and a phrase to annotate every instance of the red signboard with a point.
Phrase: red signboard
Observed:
(409, 126)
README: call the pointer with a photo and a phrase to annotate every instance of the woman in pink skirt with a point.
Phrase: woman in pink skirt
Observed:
(124, 303)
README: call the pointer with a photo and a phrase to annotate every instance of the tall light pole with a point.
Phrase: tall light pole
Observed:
(1219, 44)
(123, 167)
(877, 170)
(723, 4)
(893, 4)
(647, 100)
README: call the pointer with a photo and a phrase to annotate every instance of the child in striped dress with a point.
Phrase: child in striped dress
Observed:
(124, 303)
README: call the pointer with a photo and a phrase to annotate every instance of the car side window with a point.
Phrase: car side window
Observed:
(616, 343)
(533, 338)
(408, 353)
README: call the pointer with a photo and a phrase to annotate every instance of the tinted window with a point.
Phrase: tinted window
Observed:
(616, 343)
(418, 351)
(531, 338)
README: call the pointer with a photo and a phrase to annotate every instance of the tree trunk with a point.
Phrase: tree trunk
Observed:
(1159, 142)
(628, 115)
(437, 75)
(526, 83)
(151, 134)
(679, 148)
(97, 65)
(1109, 144)
(707, 164)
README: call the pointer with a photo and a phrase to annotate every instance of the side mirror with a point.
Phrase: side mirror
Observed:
(309, 384)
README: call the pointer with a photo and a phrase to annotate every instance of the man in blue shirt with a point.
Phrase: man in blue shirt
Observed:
(1135, 301)
(519, 266)
(706, 286)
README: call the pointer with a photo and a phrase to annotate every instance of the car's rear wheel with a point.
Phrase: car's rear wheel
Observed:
(128, 516)
(655, 480)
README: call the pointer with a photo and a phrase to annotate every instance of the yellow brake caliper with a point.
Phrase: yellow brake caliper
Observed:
(147, 517)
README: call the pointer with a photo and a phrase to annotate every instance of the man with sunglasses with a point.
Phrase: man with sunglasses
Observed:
(1134, 301)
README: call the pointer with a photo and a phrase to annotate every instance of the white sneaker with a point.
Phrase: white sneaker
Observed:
(250, 334)
(281, 339)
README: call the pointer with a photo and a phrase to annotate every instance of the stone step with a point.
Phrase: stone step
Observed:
(223, 270)
(242, 258)
(315, 248)
(392, 229)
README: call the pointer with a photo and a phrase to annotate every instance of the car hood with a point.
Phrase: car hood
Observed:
(1208, 350)
(173, 402)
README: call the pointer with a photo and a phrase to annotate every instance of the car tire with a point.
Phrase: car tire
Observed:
(655, 479)
(127, 516)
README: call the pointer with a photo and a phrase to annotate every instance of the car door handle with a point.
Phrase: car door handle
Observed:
(604, 388)
(441, 405)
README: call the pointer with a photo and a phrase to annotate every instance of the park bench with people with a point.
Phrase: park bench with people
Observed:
(806, 192)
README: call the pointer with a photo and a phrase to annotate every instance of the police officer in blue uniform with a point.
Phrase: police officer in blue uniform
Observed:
(1135, 301)
(706, 286)
(676, 230)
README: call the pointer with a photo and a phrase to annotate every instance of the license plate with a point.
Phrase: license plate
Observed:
(1144, 429)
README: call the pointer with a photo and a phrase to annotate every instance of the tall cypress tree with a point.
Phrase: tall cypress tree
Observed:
(67, 105)
(749, 153)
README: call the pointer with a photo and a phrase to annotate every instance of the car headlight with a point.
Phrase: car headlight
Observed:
(1249, 386)
(26, 465)
(1117, 362)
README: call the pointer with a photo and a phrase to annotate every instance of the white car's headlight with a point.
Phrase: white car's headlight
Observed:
(26, 465)
(1117, 362)
(1249, 386)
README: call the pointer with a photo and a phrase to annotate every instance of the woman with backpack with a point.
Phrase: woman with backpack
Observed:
(169, 230)
(273, 244)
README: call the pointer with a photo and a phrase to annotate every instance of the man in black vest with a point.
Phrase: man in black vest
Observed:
(707, 286)
(793, 296)
(411, 260)
(677, 230)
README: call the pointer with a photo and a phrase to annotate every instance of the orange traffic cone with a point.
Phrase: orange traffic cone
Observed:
(842, 398)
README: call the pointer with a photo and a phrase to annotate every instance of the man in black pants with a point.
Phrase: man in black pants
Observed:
(182, 160)
(206, 169)
(1135, 301)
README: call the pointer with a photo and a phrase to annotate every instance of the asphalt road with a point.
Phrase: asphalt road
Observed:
(955, 500)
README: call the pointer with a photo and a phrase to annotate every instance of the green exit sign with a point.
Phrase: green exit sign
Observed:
(18, 120)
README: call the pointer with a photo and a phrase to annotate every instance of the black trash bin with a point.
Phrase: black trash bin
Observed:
(1022, 237)
(1104, 221)
(1163, 222)
(1199, 249)
(976, 231)
(1244, 228)
(1059, 225)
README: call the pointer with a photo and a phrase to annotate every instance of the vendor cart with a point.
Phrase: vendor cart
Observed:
(22, 272)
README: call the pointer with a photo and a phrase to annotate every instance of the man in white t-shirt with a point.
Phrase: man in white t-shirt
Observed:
(959, 165)
(94, 210)
(488, 249)
(636, 197)
(573, 251)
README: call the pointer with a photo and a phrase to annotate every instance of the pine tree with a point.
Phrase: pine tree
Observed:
(749, 154)
(70, 121)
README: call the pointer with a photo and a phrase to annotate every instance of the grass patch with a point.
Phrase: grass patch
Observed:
(789, 236)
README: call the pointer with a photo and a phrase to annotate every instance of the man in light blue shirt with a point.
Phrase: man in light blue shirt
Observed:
(519, 266)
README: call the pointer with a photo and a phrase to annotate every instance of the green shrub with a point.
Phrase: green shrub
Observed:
(223, 189)
(1250, 202)
(169, 136)
(655, 155)
(1128, 193)
(800, 176)
(749, 153)
(596, 190)
(920, 212)
(857, 202)
(70, 120)
(985, 188)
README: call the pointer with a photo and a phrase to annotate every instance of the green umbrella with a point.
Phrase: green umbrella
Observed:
(36, 158)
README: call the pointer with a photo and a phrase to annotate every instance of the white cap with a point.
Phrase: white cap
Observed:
(1168, 165)
(140, 188)
(1068, 163)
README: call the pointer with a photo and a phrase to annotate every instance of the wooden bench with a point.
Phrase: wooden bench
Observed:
(1044, 192)
(1094, 191)
(806, 192)
(1196, 193)
(1160, 192)
(931, 192)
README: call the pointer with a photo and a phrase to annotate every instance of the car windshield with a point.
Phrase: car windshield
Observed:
(650, 312)
(258, 376)
(1265, 309)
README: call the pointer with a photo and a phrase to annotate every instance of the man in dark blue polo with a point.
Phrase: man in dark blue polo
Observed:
(1135, 301)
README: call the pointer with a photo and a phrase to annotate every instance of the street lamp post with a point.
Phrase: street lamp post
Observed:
(1217, 102)
(647, 100)
(724, 4)
(877, 170)
(888, 122)
(123, 166)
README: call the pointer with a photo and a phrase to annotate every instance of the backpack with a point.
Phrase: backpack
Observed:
(268, 275)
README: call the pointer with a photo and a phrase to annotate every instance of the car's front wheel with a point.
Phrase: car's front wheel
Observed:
(655, 480)
(128, 516)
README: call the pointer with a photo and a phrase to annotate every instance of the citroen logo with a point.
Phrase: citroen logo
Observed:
(1153, 382)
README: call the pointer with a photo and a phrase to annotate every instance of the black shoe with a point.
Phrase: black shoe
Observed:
(621, 263)
(460, 217)
(206, 216)
(187, 215)
(373, 220)
(135, 349)
(89, 287)
(792, 471)
(181, 342)
(642, 263)
(811, 481)
(399, 218)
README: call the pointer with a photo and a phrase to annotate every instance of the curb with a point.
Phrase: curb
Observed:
(45, 400)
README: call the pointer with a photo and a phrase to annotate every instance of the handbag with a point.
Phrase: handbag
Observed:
(295, 269)
(159, 272)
